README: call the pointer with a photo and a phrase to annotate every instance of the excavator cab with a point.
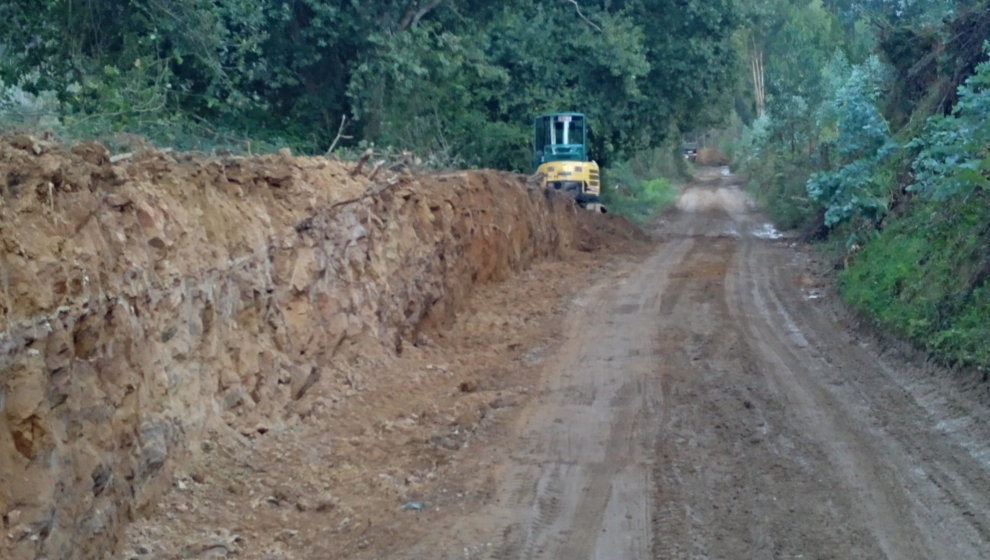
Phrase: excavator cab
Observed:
(559, 137)
(560, 157)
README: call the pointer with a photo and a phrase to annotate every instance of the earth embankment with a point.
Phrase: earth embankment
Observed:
(150, 301)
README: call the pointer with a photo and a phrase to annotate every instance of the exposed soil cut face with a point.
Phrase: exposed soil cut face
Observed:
(403, 443)
(261, 339)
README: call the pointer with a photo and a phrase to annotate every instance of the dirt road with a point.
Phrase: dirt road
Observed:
(714, 401)
(706, 397)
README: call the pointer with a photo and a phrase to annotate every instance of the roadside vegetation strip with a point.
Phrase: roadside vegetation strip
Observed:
(644, 186)
(926, 278)
(455, 81)
(642, 201)
(892, 174)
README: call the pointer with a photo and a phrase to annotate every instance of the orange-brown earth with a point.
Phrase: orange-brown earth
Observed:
(281, 347)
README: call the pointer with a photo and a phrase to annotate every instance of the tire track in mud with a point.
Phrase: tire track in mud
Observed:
(712, 420)
(703, 407)
(785, 436)
(589, 443)
(749, 464)
(674, 516)
(920, 487)
(752, 486)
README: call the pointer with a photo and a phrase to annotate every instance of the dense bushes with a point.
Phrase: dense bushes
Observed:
(456, 81)
(926, 278)
(954, 150)
(639, 187)
(849, 186)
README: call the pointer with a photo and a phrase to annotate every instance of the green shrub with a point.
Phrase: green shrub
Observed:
(625, 193)
(862, 141)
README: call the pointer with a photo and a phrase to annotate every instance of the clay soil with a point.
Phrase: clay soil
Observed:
(411, 441)
(702, 396)
(204, 355)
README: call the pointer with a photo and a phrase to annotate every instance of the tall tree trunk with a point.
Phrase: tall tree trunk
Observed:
(756, 66)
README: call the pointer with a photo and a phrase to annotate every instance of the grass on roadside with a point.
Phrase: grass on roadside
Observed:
(927, 278)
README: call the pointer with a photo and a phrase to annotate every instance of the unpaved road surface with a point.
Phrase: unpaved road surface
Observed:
(705, 396)
(713, 400)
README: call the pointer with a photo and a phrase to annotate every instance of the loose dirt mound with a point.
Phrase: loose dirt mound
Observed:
(604, 232)
(711, 156)
(246, 328)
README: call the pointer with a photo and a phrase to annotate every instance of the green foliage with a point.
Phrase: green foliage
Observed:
(852, 190)
(926, 278)
(775, 179)
(666, 161)
(626, 192)
(911, 221)
(912, 12)
(457, 79)
(20, 109)
(783, 195)
(768, 153)
(692, 62)
(798, 40)
(861, 141)
(954, 151)
(403, 96)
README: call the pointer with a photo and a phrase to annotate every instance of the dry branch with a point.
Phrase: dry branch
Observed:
(361, 161)
(582, 16)
(340, 135)
(414, 13)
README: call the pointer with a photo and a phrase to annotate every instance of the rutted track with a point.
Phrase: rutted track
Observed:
(713, 401)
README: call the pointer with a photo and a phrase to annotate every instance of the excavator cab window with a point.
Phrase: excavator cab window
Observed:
(567, 129)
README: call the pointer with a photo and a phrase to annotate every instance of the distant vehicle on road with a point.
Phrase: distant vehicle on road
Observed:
(691, 151)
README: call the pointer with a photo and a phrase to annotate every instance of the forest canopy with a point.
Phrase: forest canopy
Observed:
(459, 80)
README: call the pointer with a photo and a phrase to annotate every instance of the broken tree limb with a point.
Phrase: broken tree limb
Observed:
(582, 16)
(415, 12)
(361, 161)
(376, 168)
(340, 135)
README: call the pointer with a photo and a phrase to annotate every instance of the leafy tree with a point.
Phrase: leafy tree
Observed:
(954, 150)
(524, 59)
(795, 39)
(595, 67)
(863, 138)
(910, 12)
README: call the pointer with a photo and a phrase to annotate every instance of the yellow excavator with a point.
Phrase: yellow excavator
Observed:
(560, 158)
